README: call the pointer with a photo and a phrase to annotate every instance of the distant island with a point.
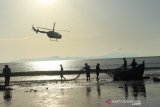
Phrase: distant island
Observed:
(112, 55)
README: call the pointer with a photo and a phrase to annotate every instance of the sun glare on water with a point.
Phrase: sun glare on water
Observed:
(46, 65)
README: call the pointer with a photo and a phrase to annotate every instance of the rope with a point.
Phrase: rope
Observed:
(73, 78)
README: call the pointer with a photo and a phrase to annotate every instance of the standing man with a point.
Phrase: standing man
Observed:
(7, 74)
(125, 63)
(87, 70)
(61, 72)
(97, 70)
(134, 64)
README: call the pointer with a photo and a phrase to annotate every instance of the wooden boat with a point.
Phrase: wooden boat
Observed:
(128, 74)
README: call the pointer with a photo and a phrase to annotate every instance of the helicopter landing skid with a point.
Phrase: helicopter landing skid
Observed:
(54, 40)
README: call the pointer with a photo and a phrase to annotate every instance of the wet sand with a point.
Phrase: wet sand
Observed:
(82, 94)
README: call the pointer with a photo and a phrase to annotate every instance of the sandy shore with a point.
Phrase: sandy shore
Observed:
(82, 94)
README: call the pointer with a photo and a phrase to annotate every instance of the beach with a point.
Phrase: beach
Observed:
(38, 84)
(80, 93)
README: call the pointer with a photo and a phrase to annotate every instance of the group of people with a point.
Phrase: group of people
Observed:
(133, 64)
(88, 70)
(7, 71)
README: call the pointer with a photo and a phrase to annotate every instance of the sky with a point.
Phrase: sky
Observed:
(98, 28)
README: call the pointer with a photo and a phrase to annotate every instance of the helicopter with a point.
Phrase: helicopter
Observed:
(50, 33)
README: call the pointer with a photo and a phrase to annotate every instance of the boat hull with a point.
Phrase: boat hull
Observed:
(129, 74)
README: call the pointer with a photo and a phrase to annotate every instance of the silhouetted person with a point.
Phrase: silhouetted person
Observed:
(134, 64)
(125, 63)
(7, 74)
(61, 74)
(87, 70)
(143, 63)
(97, 70)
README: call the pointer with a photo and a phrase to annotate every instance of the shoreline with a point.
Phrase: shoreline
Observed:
(66, 72)
(147, 77)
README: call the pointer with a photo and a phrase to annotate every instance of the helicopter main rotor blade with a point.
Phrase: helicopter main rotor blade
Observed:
(44, 28)
(64, 30)
(52, 29)
(54, 26)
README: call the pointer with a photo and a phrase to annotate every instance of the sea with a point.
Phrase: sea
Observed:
(152, 65)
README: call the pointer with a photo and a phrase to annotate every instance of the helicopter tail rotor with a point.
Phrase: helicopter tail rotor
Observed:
(33, 28)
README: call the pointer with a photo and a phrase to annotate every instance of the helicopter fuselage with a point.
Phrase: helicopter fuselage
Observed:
(52, 34)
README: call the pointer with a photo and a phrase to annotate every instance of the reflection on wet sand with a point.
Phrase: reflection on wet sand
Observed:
(7, 95)
(138, 89)
(62, 91)
(88, 91)
(98, 89)
(126, 90)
